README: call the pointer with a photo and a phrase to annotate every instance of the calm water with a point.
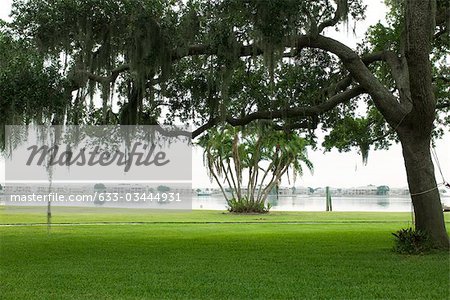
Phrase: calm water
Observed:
(282, 203)
(316, 203)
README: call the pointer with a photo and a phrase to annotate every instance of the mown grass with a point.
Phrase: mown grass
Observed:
(27, 215)
(341, 256)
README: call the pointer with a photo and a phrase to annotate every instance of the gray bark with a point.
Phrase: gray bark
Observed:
(423, 188)
(416, 128)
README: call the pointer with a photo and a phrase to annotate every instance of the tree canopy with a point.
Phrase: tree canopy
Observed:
(30, 91)
(215, 61)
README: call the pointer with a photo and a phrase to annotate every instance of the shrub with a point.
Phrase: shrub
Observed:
(244, 205)
(411, 241)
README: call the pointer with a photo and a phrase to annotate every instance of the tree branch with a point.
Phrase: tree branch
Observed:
(201, 49)
(385, 101)
(299, 125)
(440, 33)
(106, 79)
(383, 98)
(400, 73)
(341, 10)
(309, 111)
(172, 133)
(442, 78)
(443, 105)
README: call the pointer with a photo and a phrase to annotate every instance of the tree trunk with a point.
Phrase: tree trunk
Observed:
(416, 127)
(423, 188)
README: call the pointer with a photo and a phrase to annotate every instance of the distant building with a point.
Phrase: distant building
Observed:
(399, 191)
(284, 191)
(362, 190)
(319, 191)
(300, 190)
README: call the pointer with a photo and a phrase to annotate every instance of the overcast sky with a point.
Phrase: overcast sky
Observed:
(332, 168)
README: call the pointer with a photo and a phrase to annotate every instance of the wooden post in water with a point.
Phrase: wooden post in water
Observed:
(49, 210)
(328, 197)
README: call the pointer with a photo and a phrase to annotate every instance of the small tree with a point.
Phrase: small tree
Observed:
(99, 187)
(264, 155)
(163, 189)
(383, 190)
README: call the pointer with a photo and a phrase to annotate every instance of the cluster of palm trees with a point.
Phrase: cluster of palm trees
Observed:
(257, 154)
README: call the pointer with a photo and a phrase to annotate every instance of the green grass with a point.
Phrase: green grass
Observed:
(330, 256)
(27, 215)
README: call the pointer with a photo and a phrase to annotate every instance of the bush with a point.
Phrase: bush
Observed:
(411, 241)
(245, 206)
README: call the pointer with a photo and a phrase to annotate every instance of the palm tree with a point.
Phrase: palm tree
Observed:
(264, 153)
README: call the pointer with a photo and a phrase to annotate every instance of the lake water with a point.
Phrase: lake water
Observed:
(316, 203)
(282, 203)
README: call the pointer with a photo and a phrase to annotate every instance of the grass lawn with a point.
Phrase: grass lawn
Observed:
(212, 255)
(33, 215)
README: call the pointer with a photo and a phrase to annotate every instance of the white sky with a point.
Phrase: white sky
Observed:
(332, 168)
